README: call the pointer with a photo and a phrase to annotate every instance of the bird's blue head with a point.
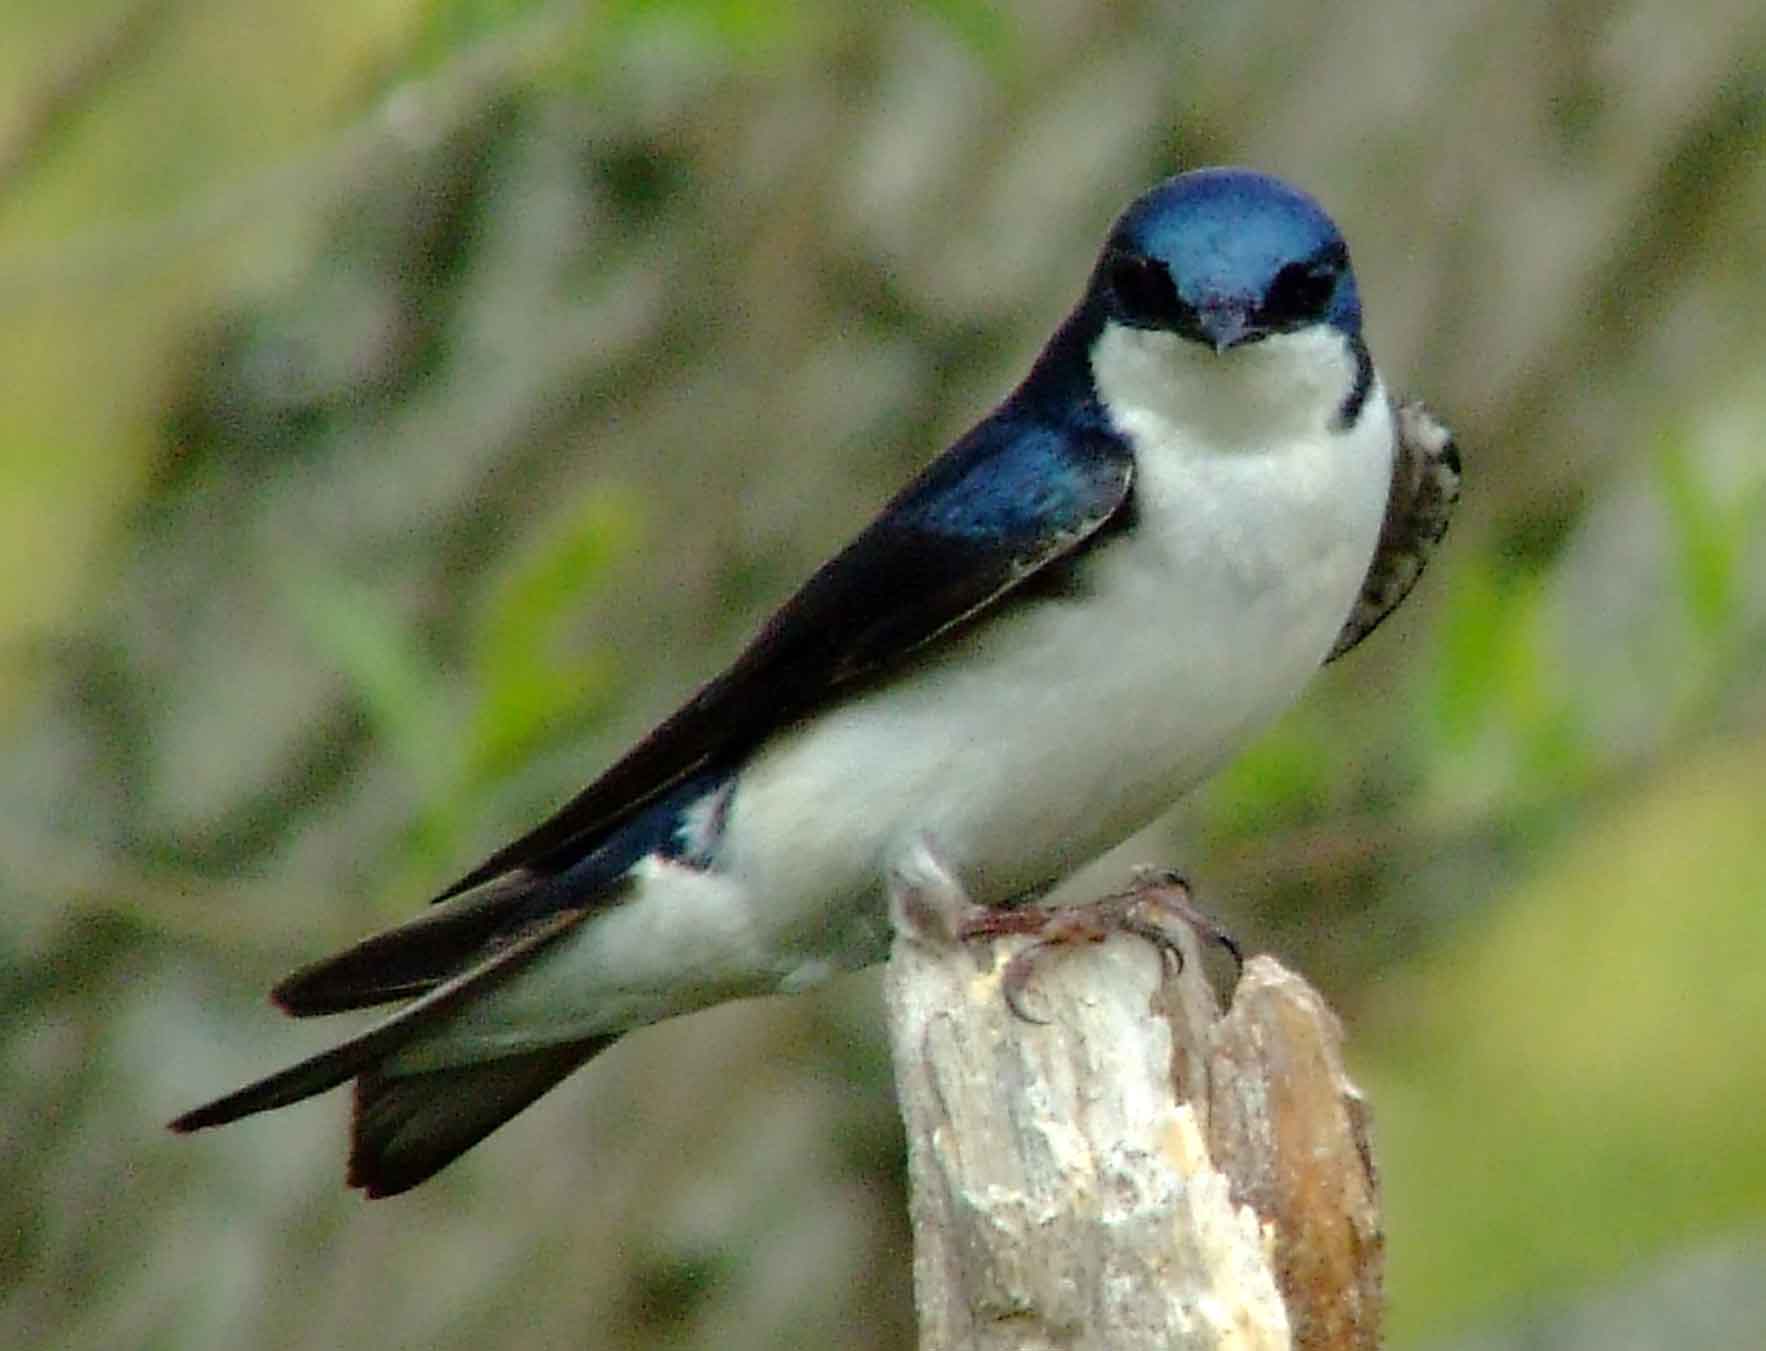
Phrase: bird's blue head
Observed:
(1226, 257)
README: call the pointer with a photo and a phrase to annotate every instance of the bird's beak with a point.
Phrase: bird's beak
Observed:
(1226, 321)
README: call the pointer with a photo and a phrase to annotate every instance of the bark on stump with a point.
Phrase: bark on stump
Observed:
(1139, 1171)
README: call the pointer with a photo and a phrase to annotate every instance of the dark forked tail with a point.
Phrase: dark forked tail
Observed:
(406, 1127)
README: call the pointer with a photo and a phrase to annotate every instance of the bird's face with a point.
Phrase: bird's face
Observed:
(1227, 257)
(1229, 308)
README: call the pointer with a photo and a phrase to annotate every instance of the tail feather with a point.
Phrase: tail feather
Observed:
(409, 1126)
(364, 1054)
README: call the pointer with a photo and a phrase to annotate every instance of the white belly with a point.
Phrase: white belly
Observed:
(1057, 729)
(1022, 748)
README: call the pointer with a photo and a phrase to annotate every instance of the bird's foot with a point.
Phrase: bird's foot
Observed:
(1146, 910)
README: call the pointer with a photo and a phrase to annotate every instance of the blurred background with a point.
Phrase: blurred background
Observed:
(406, 402)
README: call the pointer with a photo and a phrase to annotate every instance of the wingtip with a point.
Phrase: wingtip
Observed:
(313, 990)
(220, 1112)
(412, 958)
(296, 996)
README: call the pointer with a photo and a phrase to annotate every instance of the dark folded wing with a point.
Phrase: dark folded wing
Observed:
(1425, 488)
(1004, 502)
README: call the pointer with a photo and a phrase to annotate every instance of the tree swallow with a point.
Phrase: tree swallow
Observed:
(1199, 494)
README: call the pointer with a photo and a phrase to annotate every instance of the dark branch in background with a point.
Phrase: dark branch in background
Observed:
(71, 88)
(418, 111)
(1140, 1170)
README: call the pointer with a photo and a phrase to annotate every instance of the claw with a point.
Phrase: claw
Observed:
(1161, 940)
(1157, 895)
(1169, 891)
(1016, 978)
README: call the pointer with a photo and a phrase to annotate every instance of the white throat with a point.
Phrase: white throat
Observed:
(1160, 387)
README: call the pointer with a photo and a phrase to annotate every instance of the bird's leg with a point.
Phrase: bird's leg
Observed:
(926, 902)
(1157, 897)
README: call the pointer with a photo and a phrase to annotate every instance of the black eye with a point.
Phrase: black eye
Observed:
(1145, 293)
(1300, 293)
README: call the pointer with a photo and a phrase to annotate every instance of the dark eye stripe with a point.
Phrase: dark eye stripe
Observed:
(1301, 292)
(1145, 293)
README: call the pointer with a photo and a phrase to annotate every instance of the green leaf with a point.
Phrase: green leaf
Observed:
(1473, 642)
(392, 679)
(401, 694)
(534, 685)
(1708, 541)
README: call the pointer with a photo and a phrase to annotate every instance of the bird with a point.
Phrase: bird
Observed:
(1201, 492)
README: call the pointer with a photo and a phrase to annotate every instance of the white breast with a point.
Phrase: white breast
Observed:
(1038, 738)
(1056, 729)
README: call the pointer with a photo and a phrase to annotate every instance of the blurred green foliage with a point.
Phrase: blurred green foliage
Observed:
(1561, 1093)
(1710, 540)
(1500, 695)
(522, 658)
(531, 685)
(369, 369)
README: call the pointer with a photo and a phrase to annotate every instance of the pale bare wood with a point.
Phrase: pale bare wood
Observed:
(1136, 1172)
